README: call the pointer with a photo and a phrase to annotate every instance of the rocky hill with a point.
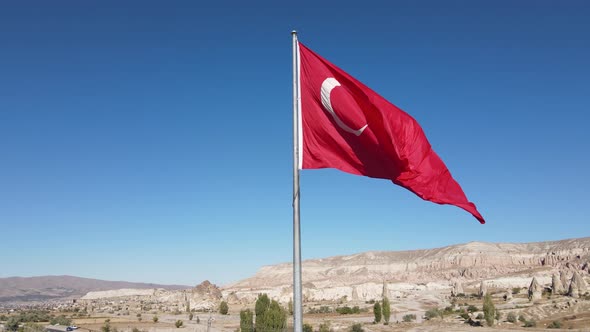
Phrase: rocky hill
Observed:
(31, 289)
(205, 296)
(366, 276)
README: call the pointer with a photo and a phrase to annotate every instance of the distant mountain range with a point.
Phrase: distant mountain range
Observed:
(44, 288)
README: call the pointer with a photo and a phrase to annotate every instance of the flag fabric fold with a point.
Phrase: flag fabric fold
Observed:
(347, 126)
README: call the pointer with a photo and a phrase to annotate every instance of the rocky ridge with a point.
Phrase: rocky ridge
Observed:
(360, 277)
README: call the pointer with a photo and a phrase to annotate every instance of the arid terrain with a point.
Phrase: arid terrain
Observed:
(542, 284)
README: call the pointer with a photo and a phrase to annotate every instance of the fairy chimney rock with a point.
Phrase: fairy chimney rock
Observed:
(535, 290)
(483, 290)
(573, 289)
(580, 282)
(557, 287)
(564, 279)
(457, 289)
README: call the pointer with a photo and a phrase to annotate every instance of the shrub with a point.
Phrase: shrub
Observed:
(343, 310)
(472, 308)
(190, 316)
(325, 327)
(554, 325)
(61, 320)
(357, 328)
(511, 317)
(223, 308)
(12, 324)
(307, 328)
(433, 313)
(178, 324)
(465, 316)
(515, 290)
(409, 317)
(530, 323)
(155, 319)
(106, 327)
(521, 318)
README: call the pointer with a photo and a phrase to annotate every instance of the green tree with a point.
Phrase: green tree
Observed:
(276, 317)
(178, 324)
(246, 321)
(260, 308)
(386, 308)
(262, 304)
(377, 312)
(489, 310)
(223, 308)
(12, 323)
(270, 316)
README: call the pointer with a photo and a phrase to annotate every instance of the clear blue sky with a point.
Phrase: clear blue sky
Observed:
(151, 141)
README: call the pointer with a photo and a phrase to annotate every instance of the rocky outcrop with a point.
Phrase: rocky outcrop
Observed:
(385, 291)
(457, 289)
(207, 289)
(573, 290)
(563, 276)
(535, 290)
(360, 277)
(126, 292)
(557, 287)
(483, 289)
(580, 283)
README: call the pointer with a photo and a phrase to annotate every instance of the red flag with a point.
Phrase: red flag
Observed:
(348, 126)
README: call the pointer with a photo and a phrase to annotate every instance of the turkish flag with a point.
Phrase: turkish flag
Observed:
(347, 126)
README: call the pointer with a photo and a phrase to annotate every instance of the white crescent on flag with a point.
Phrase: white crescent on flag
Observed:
(327, 86)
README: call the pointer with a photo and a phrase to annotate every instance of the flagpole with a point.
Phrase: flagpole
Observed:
(297, 294)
